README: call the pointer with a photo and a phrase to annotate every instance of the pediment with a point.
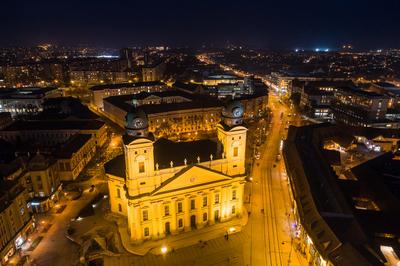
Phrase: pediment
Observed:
(191, 177)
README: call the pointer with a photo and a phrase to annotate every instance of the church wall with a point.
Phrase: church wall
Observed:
(204, 212)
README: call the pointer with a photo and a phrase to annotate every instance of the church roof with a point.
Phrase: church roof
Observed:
(166, 151)
(116, 166)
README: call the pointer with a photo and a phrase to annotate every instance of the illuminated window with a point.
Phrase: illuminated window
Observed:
(235, 151)
(233, 209)
(192, 204)
(216, 200)
(204, 201)
(146, 231)
(141, 167)
(118, 193)
(179, 206)
(145, 215)
(204, 217)
(166, 210)
(180, 223)
(234, 194)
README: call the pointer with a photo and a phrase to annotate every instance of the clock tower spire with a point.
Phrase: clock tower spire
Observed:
(136, 123)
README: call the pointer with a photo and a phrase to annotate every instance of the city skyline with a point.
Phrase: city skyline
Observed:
(289, 25)
(200, 133)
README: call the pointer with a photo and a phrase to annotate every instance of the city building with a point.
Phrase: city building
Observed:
(358, 107)
(83, 78)
(74, 155)
(35, 74)
(349, 218)
(25, 101)
(153, 72)
(214, 80)
(99, 92)
(15, 220)
(69, 108)
(170, 113)
(42, 181)
(316, 102)
(162, 192)
(53, 132)
(255, 105)
(389, 89)
(5, 119)
(252, 93)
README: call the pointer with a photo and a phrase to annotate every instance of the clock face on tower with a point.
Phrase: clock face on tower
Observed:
(138, 123)
(237, 112)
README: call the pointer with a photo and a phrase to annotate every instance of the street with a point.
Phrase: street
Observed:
(270, 222)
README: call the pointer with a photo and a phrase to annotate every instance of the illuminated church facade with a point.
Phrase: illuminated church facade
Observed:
(165, 187)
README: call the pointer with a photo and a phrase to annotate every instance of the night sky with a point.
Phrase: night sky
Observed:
(264, 24)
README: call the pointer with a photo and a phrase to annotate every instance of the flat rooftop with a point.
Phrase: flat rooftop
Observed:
(51, 125)
(195, 102)
(125, 85)
(25, 93)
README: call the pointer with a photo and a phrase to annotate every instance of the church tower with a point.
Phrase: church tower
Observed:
(138, 150)
(232, 136)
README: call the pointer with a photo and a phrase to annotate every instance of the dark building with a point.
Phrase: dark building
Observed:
(344, 220)
(358, 107)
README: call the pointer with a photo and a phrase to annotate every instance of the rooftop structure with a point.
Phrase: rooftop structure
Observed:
(328, 210)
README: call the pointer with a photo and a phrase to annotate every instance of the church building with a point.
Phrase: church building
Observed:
(165, 187)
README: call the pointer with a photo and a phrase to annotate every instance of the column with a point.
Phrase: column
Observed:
(199, 212)
(211, 218)
(161, 227)
(223, 204)
(154, 218)
(186, 214)
(173, 217)
(227, 203)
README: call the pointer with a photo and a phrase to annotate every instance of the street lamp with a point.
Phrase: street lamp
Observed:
(164, 249)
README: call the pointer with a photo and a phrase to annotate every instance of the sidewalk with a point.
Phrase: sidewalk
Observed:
(181, 240)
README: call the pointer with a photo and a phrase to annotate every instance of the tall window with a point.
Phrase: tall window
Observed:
(204, 201)
(145, 215)
(119, 208)
(235, 151)
(166, 210)
(192, 204)
(234, 194)
(180, 223)
(39, 182)
(141, 167)
(118, 193)
(204, 217)
(233, 209)
(216, 200)
(146, 231)
(180, 207)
